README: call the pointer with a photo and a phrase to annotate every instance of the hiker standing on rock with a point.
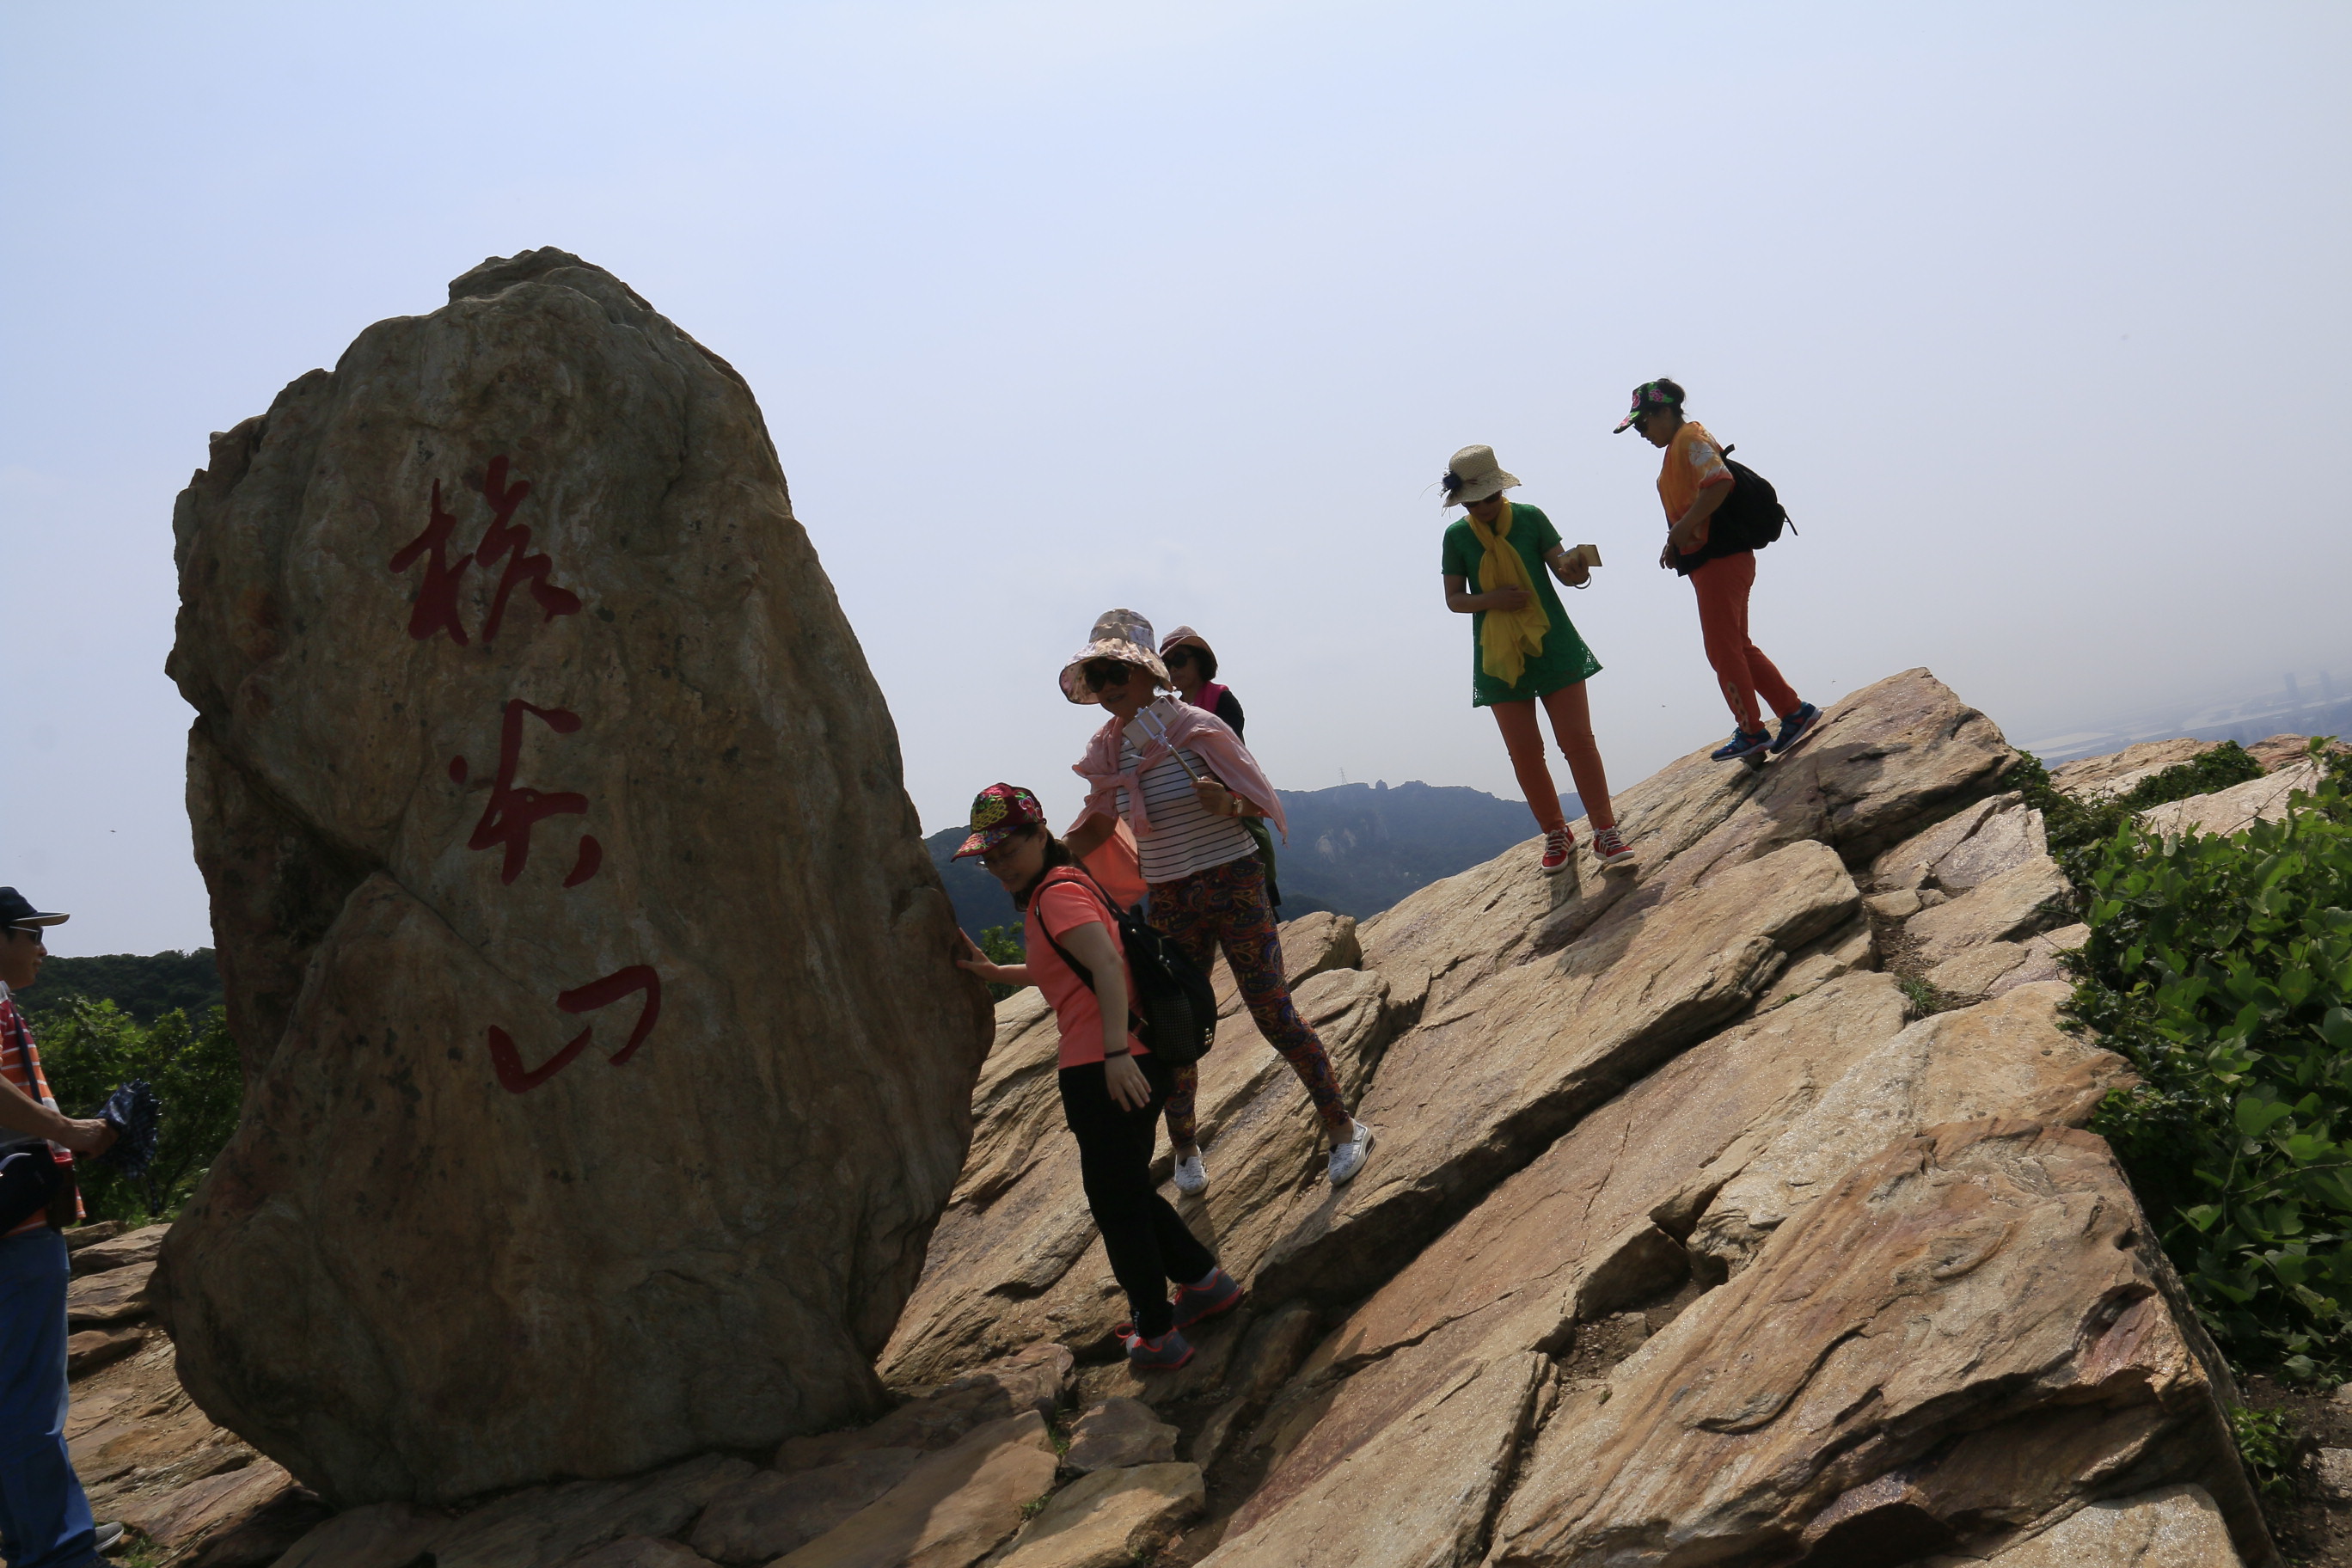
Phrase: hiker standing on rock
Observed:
(1525, 651)
(1693, 482)
(45, 1518)
(1112, 1087)
(1183, 782)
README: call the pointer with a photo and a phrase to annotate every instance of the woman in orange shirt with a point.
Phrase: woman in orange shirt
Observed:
(1113, 1089)
(1693, 482)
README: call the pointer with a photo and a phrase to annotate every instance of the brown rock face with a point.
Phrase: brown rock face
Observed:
(605, 1073)
(1969, 1332)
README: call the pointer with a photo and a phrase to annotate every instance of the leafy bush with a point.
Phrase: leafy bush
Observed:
(2075, 827)
(86, 1051)
(1001, 944)
(2267, 1442)
(2222, 969)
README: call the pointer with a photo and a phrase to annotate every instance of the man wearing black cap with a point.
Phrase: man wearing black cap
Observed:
(45, 1520)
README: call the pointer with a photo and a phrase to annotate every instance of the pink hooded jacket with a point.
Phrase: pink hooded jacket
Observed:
(1204, 734)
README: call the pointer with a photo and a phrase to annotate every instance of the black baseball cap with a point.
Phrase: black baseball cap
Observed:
(17, 913)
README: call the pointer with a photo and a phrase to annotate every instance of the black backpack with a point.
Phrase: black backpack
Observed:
(1751, 516)
(1175, 1005)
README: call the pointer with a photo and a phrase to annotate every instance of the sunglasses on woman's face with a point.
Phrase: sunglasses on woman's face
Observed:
(997, 854)
(1181, 656)
(1102, 672)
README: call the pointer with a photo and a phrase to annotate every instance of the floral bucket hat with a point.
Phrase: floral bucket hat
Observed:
(1650, 397)
(1120, 635)
(997, 813)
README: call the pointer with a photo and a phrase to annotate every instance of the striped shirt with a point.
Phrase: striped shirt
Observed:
(20, 1062)
(1184, 838)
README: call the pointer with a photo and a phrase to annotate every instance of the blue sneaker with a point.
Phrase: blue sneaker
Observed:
(1216, 1294)
(1793, 727)
(1166, 1353)
(1743, 744)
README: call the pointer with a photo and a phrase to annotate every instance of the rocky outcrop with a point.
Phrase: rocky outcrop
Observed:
(1692, 1236)
(2237, 808)
(605, 1072)
(1971, 1329)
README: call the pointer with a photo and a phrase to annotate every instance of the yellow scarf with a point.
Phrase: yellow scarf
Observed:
(1509, 639)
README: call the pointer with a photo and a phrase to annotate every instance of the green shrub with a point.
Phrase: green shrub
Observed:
(2075, 827)
(2266, 1442)
(2222, 969)
(88, 1050)
(1001, 944)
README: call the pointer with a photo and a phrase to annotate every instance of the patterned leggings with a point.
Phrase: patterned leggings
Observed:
(1225, 907)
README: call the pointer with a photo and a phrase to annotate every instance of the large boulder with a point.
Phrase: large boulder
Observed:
(605, 1068)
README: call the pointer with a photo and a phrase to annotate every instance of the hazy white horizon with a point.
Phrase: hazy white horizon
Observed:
(2035, 316)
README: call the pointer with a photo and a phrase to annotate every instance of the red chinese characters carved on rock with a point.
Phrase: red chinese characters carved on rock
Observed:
(514, 809)
(436, 608)
(507, 1061)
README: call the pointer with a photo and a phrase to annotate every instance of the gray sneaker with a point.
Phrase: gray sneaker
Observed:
(1192, 1173)
(1349, 1158)
(109, 1538)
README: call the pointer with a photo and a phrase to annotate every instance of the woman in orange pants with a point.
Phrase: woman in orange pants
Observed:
(1524, 649)
(1693, 482)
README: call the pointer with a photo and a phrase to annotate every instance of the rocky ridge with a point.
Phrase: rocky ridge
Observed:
(1689, 1239)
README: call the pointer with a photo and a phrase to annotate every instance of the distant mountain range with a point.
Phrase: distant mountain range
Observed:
(1354, 848)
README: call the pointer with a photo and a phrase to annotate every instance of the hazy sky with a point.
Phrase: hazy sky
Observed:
(2035, 315)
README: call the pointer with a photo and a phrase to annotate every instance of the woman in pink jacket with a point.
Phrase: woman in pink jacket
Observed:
(1182, 781)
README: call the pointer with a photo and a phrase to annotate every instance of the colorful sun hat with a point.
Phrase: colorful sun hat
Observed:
(997, 813)
(1121, 634)
(1472, 474)
(1650, 397)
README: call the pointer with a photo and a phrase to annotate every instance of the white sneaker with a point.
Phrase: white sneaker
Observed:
(1349, 1158)
(1192, 1174)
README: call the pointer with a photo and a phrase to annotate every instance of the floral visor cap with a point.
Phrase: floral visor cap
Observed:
(1650, 397)
(997, 813)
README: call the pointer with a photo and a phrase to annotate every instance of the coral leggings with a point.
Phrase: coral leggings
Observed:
(1740, 666)
(1571, 722)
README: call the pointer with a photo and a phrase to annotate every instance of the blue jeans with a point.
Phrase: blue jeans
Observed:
(44, 1517)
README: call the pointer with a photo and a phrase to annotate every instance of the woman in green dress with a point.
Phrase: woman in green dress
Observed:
(1524, 651)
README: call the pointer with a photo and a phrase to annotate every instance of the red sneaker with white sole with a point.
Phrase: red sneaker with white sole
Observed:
(1558, 845)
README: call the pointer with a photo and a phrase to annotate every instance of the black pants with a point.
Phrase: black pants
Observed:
(1147, 1242)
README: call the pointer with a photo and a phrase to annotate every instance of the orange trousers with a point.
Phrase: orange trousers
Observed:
(1572, 722)
(1740, 666)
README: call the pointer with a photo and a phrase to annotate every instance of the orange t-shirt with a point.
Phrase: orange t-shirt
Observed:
(1693, 462)
(1064, 903)
(20, 1061)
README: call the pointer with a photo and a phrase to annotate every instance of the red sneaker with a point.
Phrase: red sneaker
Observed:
(1558, 845)
(1166, 1353)
(1218, 1293)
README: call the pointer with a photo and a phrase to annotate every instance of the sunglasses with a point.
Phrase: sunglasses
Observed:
(1002, 850)
(1101, 672)
(1179, 656)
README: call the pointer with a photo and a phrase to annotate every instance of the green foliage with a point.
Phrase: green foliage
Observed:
(2075, 827)
(1001, 944)
(2222, 968)
(90, 1049)
(146, 987)
(2266, 1442)
(1920, 998)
